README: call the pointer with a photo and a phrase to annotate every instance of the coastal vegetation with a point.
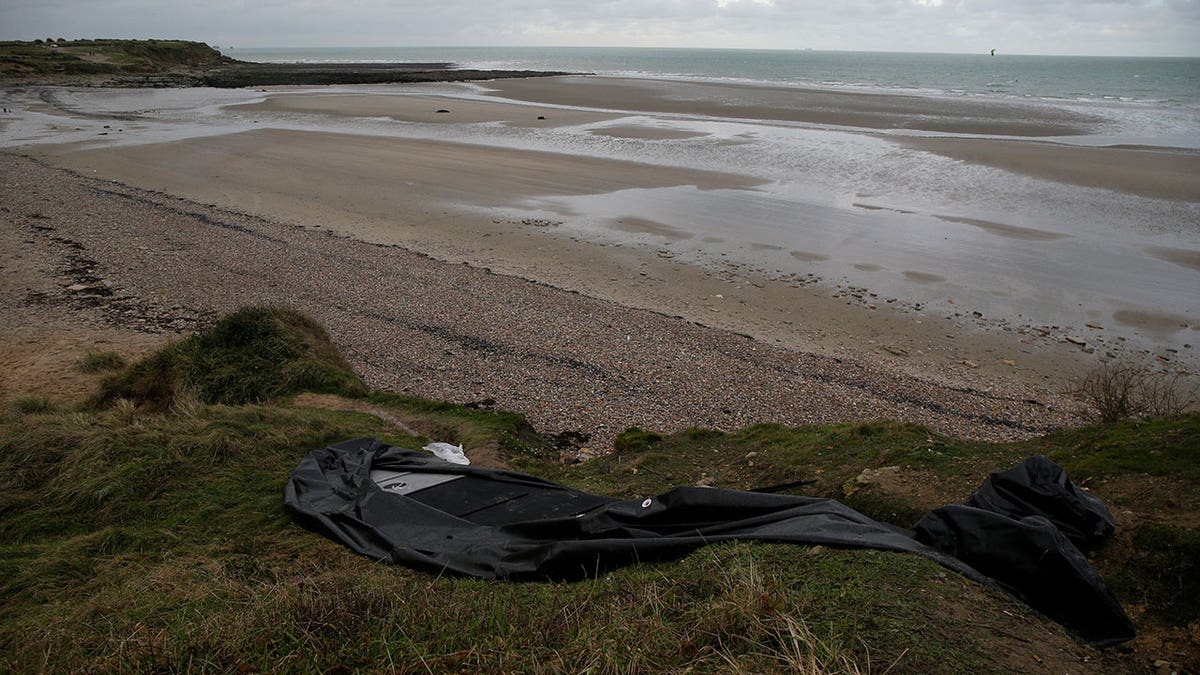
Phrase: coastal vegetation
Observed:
(94, 57)
(145, 531)
(1118, 391)
(251, 356)
(180, 63)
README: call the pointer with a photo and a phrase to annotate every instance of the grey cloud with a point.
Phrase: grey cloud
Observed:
(1030, 26)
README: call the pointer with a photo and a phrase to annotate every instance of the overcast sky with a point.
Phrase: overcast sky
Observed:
(1094, 27)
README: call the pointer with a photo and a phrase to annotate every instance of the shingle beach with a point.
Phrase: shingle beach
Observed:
(101, 256)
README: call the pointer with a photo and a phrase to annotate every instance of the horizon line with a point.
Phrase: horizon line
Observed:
(984, 52)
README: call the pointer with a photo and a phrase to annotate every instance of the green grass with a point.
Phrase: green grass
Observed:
(32, 404)
(766, 454)
(76, 57)
(251, 356)
(144, 536)
(757, 456)
(95, 362)
(120, 481)
(1160, 447)
(159, 542)
(518, 442)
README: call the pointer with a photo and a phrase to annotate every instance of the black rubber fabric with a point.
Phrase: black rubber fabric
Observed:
(505, 525)
(1039, 487)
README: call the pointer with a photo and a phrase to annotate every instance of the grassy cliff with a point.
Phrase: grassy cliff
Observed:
(179, 63)
(86, 57)
(146, 532)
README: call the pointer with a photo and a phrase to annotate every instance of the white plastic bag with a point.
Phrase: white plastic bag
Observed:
(451, 453)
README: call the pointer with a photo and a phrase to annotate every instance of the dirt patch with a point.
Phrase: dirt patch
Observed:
(45, 361)
(1155, 322)
(1023, 643)
(52, 316)
(898, 494)
(1135, 499)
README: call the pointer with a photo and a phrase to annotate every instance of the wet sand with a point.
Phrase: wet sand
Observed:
(467, 202)
(367, 184)
(1163, 173)
(422, 109)
(814, 106)
(1159, 174)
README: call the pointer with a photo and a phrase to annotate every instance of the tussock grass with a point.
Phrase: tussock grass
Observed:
(251, 356)
(95, 362)
(33, 404)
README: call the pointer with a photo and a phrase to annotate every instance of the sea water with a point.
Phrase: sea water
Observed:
(1168, 81)
(1157, 99)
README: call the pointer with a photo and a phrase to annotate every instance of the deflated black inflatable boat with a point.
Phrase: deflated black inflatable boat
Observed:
(410, 508)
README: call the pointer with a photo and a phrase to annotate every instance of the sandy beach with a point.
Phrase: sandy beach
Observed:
(599, 253)
(91, 259)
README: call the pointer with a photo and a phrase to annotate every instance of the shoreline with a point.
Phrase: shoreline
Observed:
(630, 228)
(814, 315)
(442, 330)
(123, 63)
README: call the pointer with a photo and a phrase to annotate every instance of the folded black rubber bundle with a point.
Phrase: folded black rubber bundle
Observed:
(411, 508)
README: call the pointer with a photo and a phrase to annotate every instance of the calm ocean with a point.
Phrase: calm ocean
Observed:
(1152, 81)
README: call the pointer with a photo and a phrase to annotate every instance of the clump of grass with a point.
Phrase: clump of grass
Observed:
(95, 362)
(1117, 391)
(33, 404)
(634, 440)
(251, 356)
